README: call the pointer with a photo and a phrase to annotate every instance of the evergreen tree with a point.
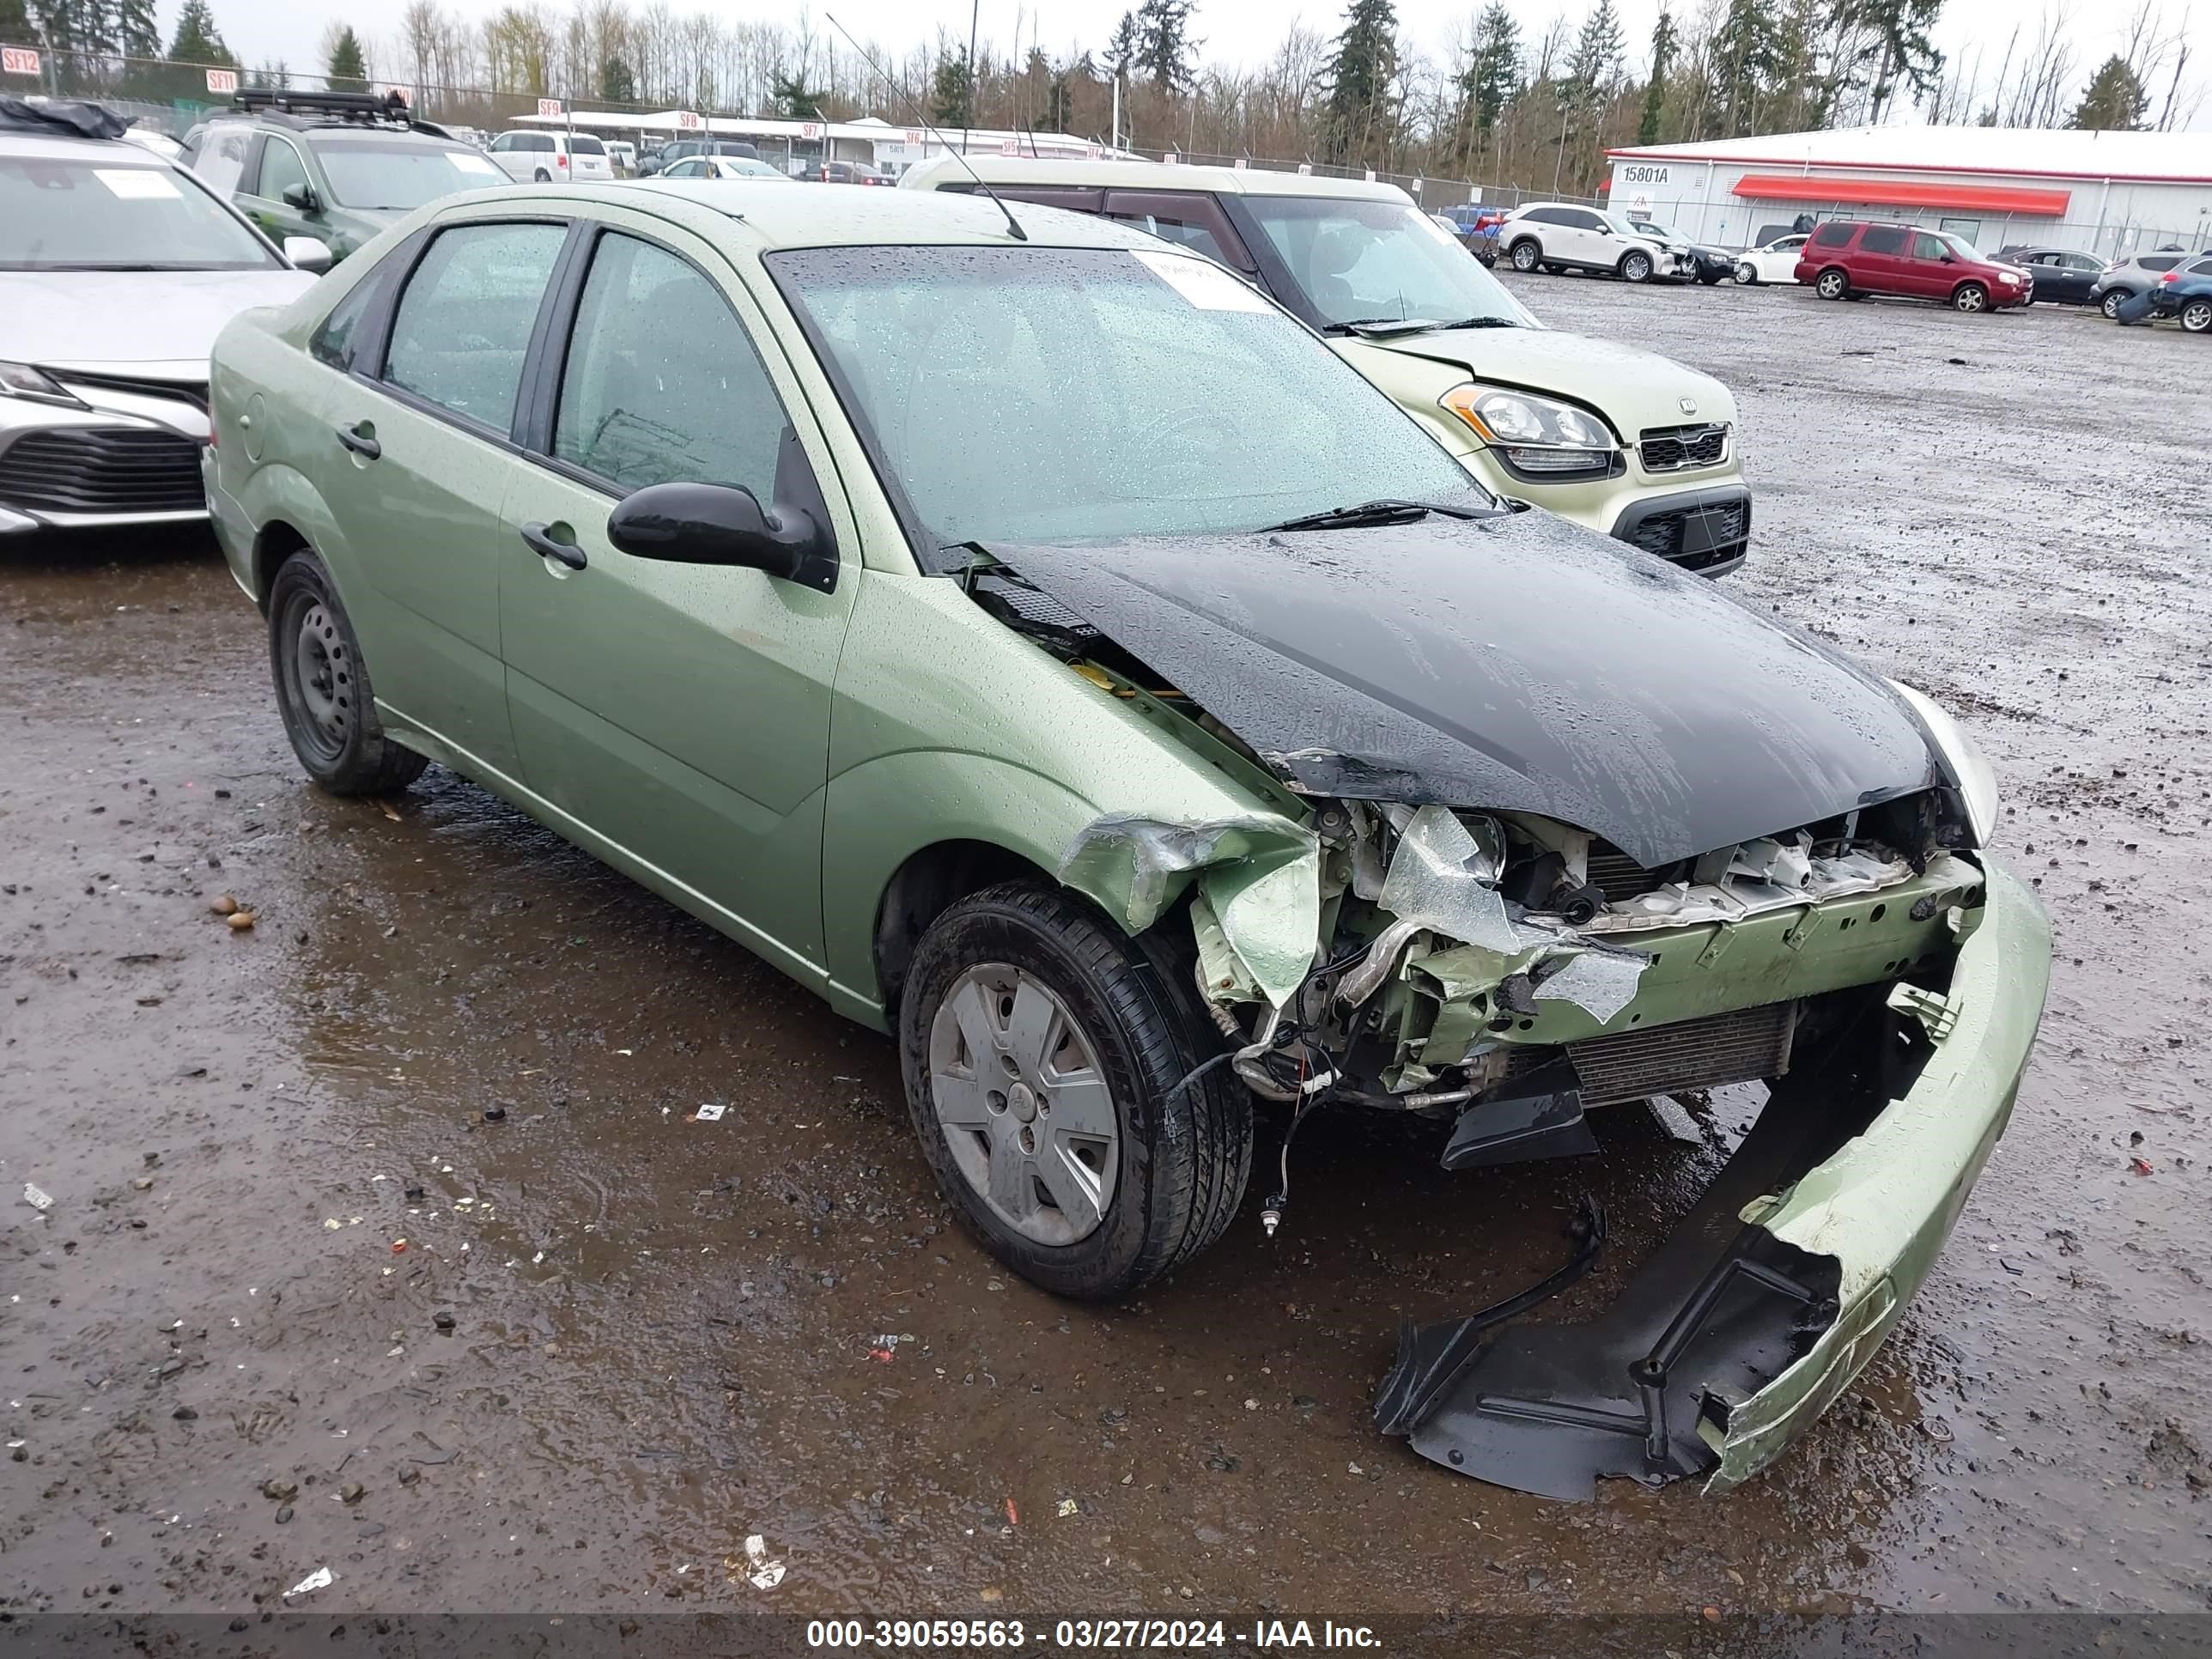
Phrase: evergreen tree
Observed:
(1746, 55)
(348, 73)
(951, 93)
(197, 40)
(1122, 46)
(15, 24)
(137, 31)
(2115, 101)
(1493, 74)
(1594, 65)
(1360, 73)
(794, 99)
(618, 82)
(1164, 45)
(1900, 47)
(1655, 90)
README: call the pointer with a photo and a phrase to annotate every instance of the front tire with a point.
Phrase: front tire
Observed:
(2113, 300)
(1635, 266)
(1832, 284)
(2197, 317)
(323, 690)
(1970, 297)
(1043, 1050)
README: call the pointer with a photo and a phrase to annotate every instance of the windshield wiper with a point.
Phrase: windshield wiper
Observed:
(1387, 327)
(1365, 513)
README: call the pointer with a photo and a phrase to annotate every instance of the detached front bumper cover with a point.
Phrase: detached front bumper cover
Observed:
(1777, 1288)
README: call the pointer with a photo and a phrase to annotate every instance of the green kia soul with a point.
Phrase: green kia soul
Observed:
(1033, 640)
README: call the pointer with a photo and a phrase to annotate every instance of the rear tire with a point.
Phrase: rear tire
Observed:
(2113, 300)
(1832, 284)
(544, 177)
(322, 688)
(1175, 1172)
(1970, 297)
(1525, 255)
(1746, 275)
(2197, 317)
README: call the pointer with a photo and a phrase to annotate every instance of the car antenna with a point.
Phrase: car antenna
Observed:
(1013, 225)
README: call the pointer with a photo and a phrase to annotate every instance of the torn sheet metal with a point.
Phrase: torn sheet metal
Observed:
(1270, 913)
(1137, 866)
(1444, 877)
(1599, 982)
(1769, 875)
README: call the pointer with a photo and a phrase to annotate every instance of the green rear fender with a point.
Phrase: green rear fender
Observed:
(275, 494)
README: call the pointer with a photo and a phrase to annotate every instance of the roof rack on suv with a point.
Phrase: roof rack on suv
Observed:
(323, 109)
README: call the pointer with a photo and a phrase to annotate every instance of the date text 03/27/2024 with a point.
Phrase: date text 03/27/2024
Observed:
(1170, 1635)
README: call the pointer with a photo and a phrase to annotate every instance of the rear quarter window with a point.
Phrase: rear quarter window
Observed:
(1832, 235)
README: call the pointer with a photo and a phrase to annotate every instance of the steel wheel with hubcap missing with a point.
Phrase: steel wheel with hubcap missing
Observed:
(317, 678)
(2196, 316)
(1026, 1112)
(322, 687)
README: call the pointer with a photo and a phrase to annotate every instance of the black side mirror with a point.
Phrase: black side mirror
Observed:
(718, 523)
(302, 197)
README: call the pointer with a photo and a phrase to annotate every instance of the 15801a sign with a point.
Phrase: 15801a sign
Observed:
(1642, 172)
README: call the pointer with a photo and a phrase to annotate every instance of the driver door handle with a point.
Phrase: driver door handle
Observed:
(541, 541)
(361, 443)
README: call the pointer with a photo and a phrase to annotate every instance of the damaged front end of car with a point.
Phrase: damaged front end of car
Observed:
(1449, 908)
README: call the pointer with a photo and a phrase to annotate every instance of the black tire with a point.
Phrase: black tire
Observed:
(2113, 300)
(1184, 1156)
(1525, 255)
(1635, 266)
(1746, 275)
(1832, 284)
(2196, 316)
(342, 748)
(544, 177)
(1970, 297)
(1711, 277)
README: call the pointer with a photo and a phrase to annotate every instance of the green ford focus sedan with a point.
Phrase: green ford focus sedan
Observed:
(1030, 638)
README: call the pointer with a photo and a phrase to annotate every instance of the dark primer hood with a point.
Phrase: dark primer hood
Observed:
(1516, 663)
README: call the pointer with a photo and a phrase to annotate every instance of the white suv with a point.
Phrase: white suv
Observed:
(547, 157)
(1562, 236)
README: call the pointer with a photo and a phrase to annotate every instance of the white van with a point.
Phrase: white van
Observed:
(529, 156)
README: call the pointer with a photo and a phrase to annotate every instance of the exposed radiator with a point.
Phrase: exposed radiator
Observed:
(1738, 1047)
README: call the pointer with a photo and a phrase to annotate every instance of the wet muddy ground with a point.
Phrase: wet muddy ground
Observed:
(667, 1334)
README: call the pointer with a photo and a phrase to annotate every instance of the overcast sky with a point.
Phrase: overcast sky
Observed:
(1231, 30)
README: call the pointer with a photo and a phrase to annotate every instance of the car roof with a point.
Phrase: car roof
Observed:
(775, 214)
(1145, 175)
(118, 152)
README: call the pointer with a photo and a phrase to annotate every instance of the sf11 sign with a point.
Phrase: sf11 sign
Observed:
(222, 80)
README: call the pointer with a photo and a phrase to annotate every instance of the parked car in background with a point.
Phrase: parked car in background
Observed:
(1558, 236)
(723, 166)
(1311, 773)
(543, 156)
(2124, 279)
(1711, 263)
(2063, 276)
(846, 172)
(117, 272)
(1614, 437)
(2185, 293)
(621, 155)
(1774, 262)
(658, 161)
(336, 166)
(1851, 259)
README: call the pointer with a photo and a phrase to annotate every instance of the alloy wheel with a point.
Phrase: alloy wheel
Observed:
(1970, 298)
(1747, 273)
(1025, 1108)
(1833, 285)
(2110, 304)
(2196, 316)
(1635, 268)
(1525, 256)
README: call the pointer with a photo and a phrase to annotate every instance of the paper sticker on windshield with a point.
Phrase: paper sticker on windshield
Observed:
(1201, 282)
(137, 184)
(476, 164)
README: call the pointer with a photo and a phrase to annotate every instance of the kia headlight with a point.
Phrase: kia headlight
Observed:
(1535, 434)
(22, 380)
(1968, 766)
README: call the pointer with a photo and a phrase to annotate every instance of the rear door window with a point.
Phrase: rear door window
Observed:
(463, 324)
(1882, 239)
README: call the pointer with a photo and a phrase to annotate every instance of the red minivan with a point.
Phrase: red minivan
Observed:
(1847, 258)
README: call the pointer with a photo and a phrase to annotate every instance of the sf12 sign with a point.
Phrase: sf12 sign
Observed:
(222, 80)
(18, 60)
